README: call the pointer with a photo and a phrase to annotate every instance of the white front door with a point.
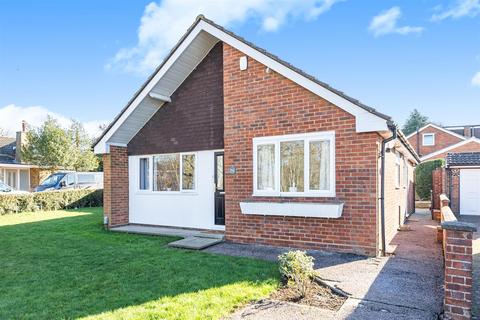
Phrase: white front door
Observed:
(470, 191)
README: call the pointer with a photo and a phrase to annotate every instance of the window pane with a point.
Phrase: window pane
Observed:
(266, 167)
(291, 166)
(320, 165)
(428, 139)
(144, 170)
(166, 171)
(188, 172)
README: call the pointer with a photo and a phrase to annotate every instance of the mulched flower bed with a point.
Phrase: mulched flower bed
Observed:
(318, 296)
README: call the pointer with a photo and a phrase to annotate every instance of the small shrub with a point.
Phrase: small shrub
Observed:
(50, 200)
(423, 177)
(297, 268)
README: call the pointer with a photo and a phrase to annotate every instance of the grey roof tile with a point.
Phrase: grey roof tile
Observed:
(463, 159)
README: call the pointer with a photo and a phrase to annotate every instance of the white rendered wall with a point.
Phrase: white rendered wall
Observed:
(176, 209)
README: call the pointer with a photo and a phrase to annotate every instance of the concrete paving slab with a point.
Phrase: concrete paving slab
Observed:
(168, 231)
(280, 310)
(195, 243)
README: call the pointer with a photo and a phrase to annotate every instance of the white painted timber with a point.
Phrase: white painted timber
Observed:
(293, 209)
(175, 209)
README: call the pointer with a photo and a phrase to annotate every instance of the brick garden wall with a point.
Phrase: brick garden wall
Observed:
(258, 103)
(115, 188)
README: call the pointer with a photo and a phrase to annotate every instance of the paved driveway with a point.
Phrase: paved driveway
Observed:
(404, 286)
(476, 265)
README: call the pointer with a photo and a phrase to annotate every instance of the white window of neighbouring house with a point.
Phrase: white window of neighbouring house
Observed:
(144, 174)
(428, 139)
(295, 165)
(173, 172)
(397, 169)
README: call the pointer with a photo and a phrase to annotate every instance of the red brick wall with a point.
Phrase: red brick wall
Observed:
(442, 140)
(258, 104)
(468, 147)
(115, 189)
(398, 200)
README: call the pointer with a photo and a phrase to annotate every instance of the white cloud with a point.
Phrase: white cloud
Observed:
(476, 80)
(386, 23)
(163, 23)
(11, 117)
(462, 8)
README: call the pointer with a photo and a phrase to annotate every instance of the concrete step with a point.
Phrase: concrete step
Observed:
(196, 242)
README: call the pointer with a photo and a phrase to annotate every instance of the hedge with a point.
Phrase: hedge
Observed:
(50, 200)
(423, 177)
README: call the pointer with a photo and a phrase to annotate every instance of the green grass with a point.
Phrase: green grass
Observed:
(63, 265)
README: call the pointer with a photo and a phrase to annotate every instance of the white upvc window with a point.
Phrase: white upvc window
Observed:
(428, 139)
(170, 172)
(397, 170)
(405, 172)
(297, 165)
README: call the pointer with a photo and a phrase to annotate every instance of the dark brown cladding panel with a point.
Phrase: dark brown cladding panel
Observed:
(194, 119)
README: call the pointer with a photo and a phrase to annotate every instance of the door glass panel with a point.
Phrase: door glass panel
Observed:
(292, 166)
(219, 172)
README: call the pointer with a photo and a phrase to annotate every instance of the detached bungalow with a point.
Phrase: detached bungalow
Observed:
(226, 136)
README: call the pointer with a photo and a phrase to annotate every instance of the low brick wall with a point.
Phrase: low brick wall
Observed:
(457, 247)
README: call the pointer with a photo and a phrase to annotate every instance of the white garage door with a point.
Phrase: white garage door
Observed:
(470, 191)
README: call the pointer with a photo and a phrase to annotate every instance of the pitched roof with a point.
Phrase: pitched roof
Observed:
(439, 128)
(451, 147)
(463, 159)
(7, 146)
(337, 97)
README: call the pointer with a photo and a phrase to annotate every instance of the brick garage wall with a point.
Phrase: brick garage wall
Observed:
(398, 200)
(115, 186)
(468, 147)
(258, 104)
(442, 140)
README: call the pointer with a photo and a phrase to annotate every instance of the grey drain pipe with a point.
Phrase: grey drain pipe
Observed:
(393, 129)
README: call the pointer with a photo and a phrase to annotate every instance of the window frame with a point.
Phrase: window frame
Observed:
(307, 138)
(423, 139)
(151, 177)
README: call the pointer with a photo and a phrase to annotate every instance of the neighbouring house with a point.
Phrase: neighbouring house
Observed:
(460, 181)
(433, 142)
(226, 136)
(13, 171)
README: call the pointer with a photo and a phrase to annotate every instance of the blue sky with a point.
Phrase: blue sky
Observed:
(85, 59)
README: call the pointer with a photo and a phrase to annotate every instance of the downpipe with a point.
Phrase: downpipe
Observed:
(393, 129)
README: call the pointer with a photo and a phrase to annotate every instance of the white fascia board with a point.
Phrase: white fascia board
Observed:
(453, 146)
(293, 209)
(365, 121)
(436, 127)
(101, 146)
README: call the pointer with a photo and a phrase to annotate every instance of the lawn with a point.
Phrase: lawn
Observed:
(63, 265)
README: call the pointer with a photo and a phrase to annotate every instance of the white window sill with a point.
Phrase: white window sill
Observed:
(293, 209)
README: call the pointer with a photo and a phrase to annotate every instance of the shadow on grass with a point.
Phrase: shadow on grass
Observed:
(70, 267)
